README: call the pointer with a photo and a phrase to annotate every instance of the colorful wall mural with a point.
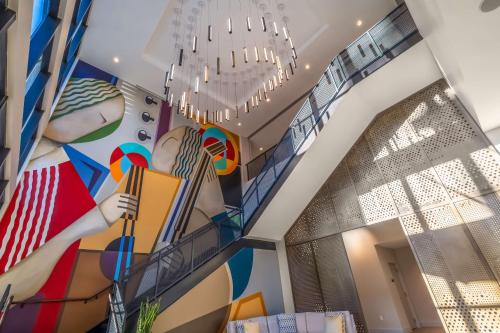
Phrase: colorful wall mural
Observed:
(247, 286)
(101, 192)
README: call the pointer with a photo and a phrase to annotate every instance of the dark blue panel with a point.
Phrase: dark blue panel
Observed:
(41, 40)
(75, 43)
(84, 70)
(34, 95)
(83, 9)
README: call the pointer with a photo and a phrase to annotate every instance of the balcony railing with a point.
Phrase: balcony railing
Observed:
(390, 37)
(152, 277)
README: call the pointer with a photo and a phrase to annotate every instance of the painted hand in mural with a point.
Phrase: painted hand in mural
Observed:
(30, 274)
(118, 205)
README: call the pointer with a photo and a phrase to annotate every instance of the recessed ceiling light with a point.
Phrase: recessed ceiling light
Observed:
(268, 100)
(116, 60)
(359, 23)
(239, 124)
(308, 66)
(261, 149)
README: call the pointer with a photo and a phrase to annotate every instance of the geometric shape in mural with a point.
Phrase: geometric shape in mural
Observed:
(227, 161)
(248, 307)
(241, 268)
(126, 155)
(92, 173)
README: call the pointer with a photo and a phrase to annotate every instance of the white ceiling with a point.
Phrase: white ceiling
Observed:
(143, 35)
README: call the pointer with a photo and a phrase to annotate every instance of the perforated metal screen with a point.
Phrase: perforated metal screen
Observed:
(426, 162)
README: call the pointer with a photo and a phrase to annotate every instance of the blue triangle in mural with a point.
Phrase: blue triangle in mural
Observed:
(92, 173)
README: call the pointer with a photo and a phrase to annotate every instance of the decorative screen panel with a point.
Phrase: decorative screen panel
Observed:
(427, 162)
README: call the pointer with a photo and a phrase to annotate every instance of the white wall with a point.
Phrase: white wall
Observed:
(381, 310)
(286, 284)
(405, 75)
(417, 291)
(466, 44)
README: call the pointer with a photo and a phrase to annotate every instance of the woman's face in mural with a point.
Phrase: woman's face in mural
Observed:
(87, 110)
(73, 126)
(166, 149)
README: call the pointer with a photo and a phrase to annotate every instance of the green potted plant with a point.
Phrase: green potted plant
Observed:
(147, 315)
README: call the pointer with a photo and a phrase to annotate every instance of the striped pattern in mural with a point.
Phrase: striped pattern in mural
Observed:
(83, 93)
(188, 154)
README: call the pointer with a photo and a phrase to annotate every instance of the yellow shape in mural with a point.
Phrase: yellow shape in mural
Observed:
(158, 194)
(249, 307)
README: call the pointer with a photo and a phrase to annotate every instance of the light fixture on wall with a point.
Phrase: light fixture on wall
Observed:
(116, 60)
(359, 23)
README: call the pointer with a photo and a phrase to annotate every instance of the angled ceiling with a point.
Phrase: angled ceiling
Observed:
(143, 35)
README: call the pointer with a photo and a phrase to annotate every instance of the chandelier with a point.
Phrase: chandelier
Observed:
(215, 40)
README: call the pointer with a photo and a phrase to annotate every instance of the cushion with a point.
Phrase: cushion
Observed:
(272, 324)
(334, 324)
(260, 321)
(286, 323)
(250, 327)
(315, 322)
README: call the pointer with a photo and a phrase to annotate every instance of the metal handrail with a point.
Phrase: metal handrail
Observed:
(398, 18)
(66, 300)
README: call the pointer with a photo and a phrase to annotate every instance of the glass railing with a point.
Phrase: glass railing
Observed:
(386, 40)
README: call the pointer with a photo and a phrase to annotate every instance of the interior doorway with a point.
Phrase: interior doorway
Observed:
(398, 283)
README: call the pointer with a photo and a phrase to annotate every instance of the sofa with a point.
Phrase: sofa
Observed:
(308, 322)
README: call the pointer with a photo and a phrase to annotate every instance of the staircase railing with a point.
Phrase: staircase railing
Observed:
(149, 279)
(390, 37)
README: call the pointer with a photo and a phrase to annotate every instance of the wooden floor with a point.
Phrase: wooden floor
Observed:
(429, 330)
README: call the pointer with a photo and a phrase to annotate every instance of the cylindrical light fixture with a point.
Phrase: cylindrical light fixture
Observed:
(183, 100)
(181, 56)
(171, 100)
(197, 85)
(229, 25)
(265, 89)
(294, 62)
(191, 111)
(167, 75)
(206, 73)
(272, 57)
(205, 117)
(249, 23)
(227, 114)
(294, 53)
(253, 101)
(233, 58)
(285, 32)
(287, 76)
(257, 58)
(259, 94)
(275, 29)
(291, 42)
(198, 116)
(195, 43)
(266, 58)
(218, 66)
(263, 21)
(256, 101)
(275, 81)
(210, 33)
(291, 68)
(247, 109)
(172, 70)
(245, 54)
(178, 107)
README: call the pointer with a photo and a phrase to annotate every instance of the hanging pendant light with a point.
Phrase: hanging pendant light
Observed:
(256, 102)
(181, 55)
(229, 25)
(197, 85)
(259, 94)
(218, 66)
(178, 107)
(172, 70)
(206, 73)
(257, 58)
(227, 114)
(233, 58)
(265, 96)
(246, 107)
(198, 116)
(278, 63)
(263, 21)
(271, 87)
(167, 91)
(205, 117)
(294, 62)
(291, 42)
(275, 29)
(165, 83)
(294, 53)
(287, 76)
(249, 24)
(253, 101)
(195, 43)
(191, 111)
(275, 81)
(183, 101)
(273, 59)
(291, 68)
(280, 80)
(266, 58)
(285, 32)
(210, 35)
(171, 100)
(245, 54)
